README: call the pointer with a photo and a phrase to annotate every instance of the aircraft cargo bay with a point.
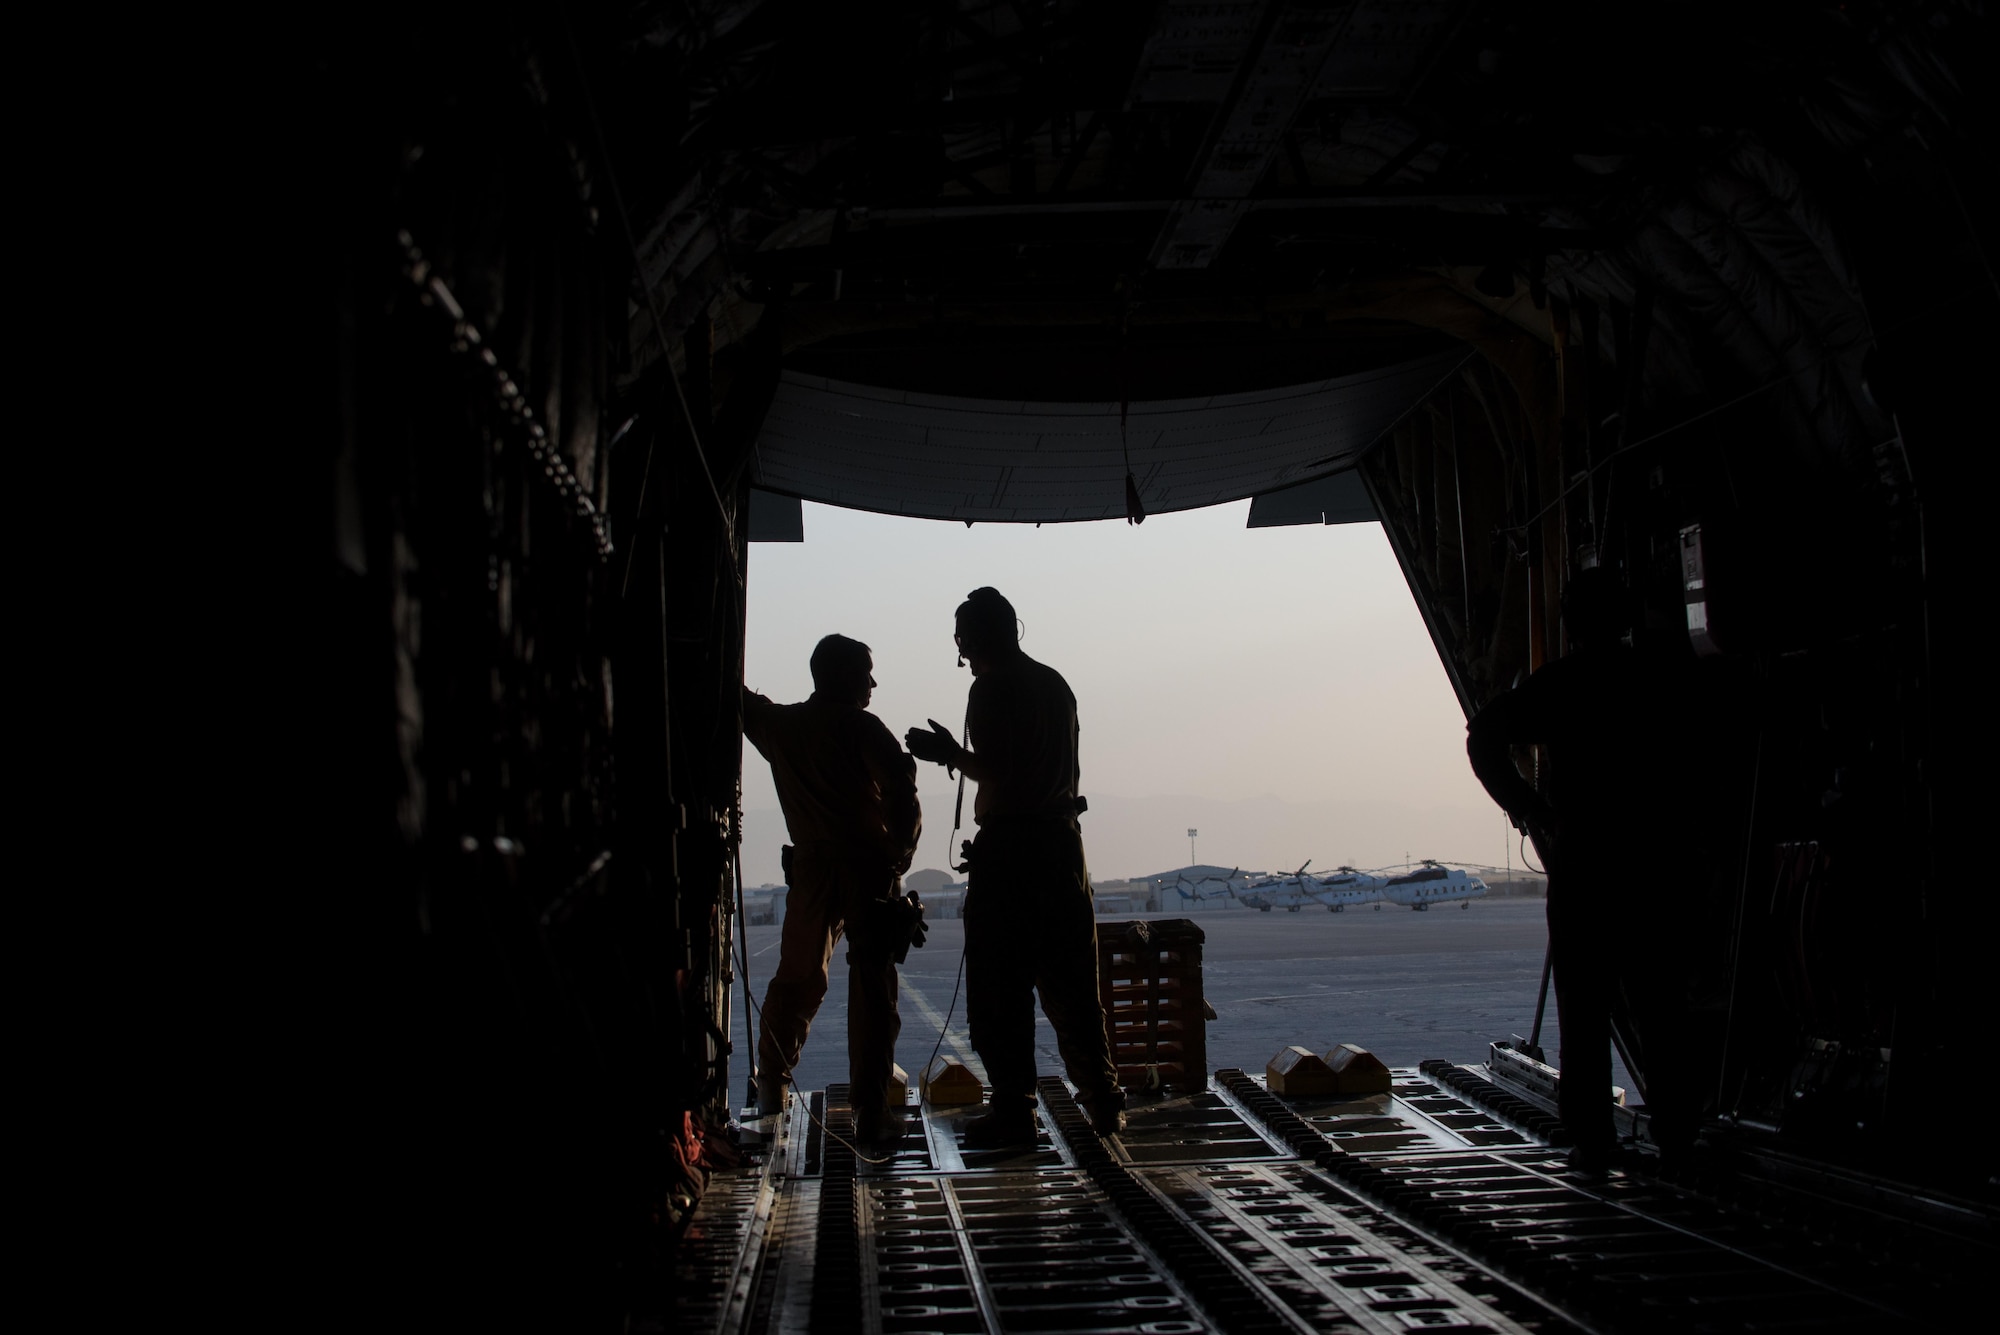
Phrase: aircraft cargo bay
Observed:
(757, 460)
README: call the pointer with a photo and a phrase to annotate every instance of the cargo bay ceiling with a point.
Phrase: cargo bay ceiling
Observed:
(975, 211)
(1535, 285)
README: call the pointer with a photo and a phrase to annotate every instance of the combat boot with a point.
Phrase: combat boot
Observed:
(880, 1128)
(770, 1096)
(1590, 1162)
(1107, 1111)
(1001, 1129)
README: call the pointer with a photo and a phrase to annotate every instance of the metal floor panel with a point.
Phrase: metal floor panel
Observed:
(1234, 1210)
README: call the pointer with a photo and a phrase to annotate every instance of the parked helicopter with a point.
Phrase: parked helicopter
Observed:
(1347, 886)
(1333, 893)
(1290, 893)
(1433, 883)
(1258, 891)
(1211, 887)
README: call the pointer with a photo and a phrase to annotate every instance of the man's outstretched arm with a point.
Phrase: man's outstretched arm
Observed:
(757, 712)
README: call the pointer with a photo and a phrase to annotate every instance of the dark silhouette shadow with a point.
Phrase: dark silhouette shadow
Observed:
(1029, 924)
(849, 795)
(1610, 722)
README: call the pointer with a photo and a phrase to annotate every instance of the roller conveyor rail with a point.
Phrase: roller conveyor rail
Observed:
(1236, 1210)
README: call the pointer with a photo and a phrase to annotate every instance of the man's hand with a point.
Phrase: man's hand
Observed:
(936, 746)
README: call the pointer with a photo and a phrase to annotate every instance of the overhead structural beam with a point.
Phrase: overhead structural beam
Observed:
(775, 518)
(1338, 498)
(1195, 50)
(1276, 77)
(937, 456)
(1331, 199)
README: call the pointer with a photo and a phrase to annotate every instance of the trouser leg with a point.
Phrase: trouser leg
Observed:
(798, 986)
(873, 1024)
(1067, 980)
(1000, 998)
(873, 1021)
(1655, 996)
(1583, 1010)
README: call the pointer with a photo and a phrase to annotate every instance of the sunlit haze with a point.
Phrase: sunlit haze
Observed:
(1273, 688)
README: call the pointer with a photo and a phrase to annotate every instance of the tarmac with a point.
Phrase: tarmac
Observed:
(1407, 986)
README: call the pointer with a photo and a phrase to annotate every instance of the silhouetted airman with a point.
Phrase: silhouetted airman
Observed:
(849, 795)
(1029, 921)
(1610, 720)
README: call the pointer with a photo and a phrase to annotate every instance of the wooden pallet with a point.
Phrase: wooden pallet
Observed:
(1149, 978)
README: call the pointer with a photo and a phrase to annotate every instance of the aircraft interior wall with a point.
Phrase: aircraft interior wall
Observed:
(1812, 799)
(539, 597)
(540, 569)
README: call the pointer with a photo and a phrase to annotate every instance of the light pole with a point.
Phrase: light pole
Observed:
(1191, 835)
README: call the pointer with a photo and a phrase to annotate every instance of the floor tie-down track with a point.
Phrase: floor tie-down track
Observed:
(1435, 1206)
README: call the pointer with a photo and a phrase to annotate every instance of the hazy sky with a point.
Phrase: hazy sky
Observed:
(1250, 667)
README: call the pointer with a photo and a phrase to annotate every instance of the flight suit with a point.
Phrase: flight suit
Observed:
(1030, 924)
(849, 794)
(1611, 723)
